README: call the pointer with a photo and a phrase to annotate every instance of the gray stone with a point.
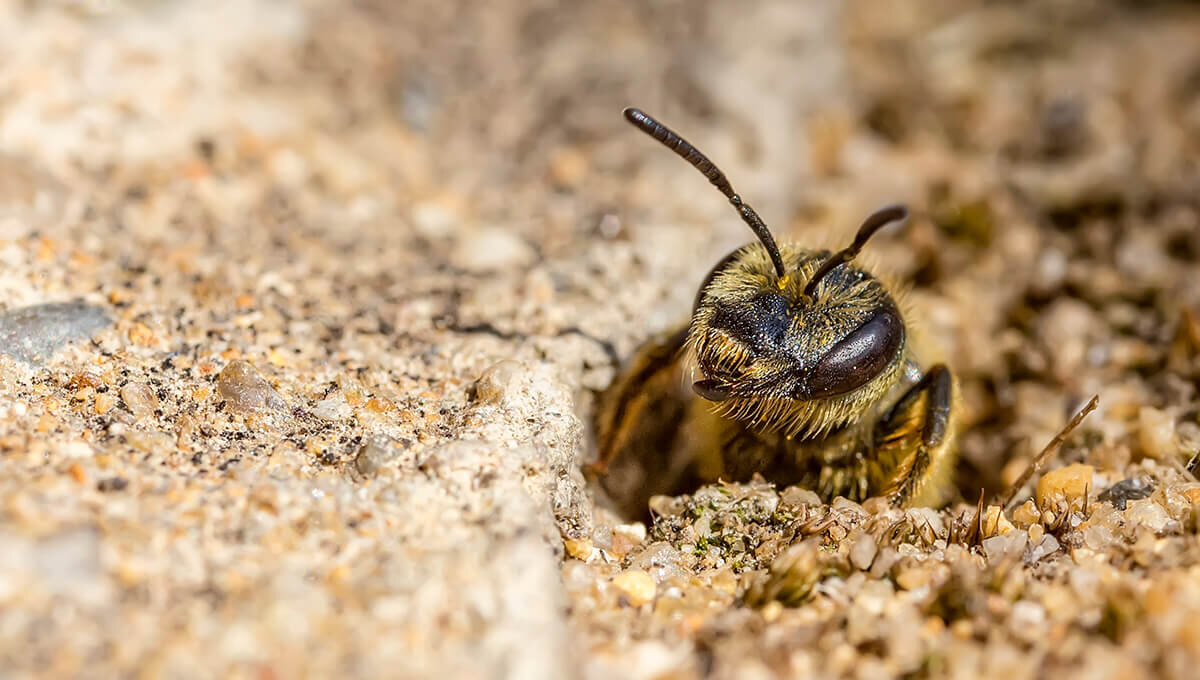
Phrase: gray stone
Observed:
(32, 334)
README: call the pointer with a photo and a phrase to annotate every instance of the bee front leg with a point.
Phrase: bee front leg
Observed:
(636, 426)
(634, 402)
(914, 454)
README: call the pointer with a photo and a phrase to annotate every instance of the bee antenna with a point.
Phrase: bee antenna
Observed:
(874, 222)
(691, 154)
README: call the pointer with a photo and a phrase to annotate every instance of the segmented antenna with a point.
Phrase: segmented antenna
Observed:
(692, 155)
(874, 222)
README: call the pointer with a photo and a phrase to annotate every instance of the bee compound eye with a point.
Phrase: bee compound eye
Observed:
(857, 358)
(710, 390)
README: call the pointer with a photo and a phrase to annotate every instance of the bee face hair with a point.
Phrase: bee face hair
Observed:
(794, 357)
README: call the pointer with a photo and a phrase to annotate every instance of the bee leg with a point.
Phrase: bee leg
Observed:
(636, 426)
(914, 455)
(622, 408)
(845, 478)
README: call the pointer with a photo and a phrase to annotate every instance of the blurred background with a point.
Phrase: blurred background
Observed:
(407, 192)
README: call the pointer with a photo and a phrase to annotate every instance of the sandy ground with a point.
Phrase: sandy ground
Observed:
(344, 279)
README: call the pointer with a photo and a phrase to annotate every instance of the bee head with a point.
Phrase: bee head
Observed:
(794, 339)
(829, 336)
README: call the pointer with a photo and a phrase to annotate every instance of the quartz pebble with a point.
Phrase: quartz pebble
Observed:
(1098, 536)
(636, 585)
(568, 167)
(1026, 514)
(914, 577)
(1147, 514)
(1069, 484)
(245, 391)
(1005, 545)
(139, 399)
(104, 402)
(334, 408)
(1048, 545)
(579, 548)
(661, 560)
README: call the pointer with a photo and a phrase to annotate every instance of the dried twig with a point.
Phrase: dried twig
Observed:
(1051, 448)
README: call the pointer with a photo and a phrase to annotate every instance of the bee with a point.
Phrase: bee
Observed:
(801, 370)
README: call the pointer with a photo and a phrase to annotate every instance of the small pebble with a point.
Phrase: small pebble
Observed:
(1133, 489)
(635, 531)
(1098, 537)
(626, 537)
(1147, 514)
(1048, 545)
(1012, 543)
(1156, 433)
(1026, 514)
(104, 402)
(245, 391)
(862, 553)
(112, 484)
(636, 585)
(796, 496)
(434, 219)
(577, 577)
(1026, 614)
(499, 381)
(661, 560)
(995, 522)
(1070, 484)
(139, 399)
(1193, 496)
(375, 455)
(666, 506)
(914, 578)
(333, 408)
(579, 548)
(793, 574)
(75, 449)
